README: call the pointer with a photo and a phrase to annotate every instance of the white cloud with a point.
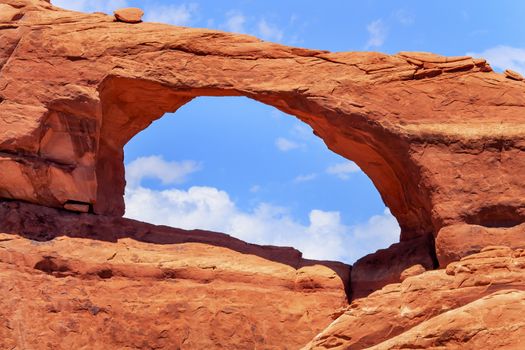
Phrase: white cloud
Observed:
(235, 22)
(269, 31)
(305, 178)
(255, 188)
(504, 57)
(323, 237)
(107, 6)
(343, 170)
(285, 145)
(377, 33)
(302, 131)
(157, 167)
(180, 15)
(404, 17)
(208, 208)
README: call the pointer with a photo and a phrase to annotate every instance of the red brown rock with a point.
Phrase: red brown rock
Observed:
(413, 270)
(129, 15)
(386, 266)
(442, 138)
(492, 322)
(456, 241)
(471, 302)
(513, 75)
(83, 281)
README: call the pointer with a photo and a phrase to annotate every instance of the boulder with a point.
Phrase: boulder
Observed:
(129, 15)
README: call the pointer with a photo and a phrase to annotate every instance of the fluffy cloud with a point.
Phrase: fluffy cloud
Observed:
(269, 31)
(404, 17)
(324, 236)
(305, 178)
(235, 22)
(504, 57)
(377, 33)
(285, 145)
(157, 168)
(180, 15)
(343, 170)
(107, 6)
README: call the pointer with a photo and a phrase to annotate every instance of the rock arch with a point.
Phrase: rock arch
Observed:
(129, 106)
(442, 138)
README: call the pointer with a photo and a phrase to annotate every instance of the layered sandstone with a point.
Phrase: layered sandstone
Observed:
(79, 281)
(91, 281)
(475, 303)
(442, 138)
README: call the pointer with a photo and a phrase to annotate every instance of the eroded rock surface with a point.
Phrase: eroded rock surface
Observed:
(129, 15)
(80, 281)
(386, 266)
(471, 302)
(442, 138)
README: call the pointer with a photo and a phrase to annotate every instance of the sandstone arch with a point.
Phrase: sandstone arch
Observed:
(442, 138)
(129, 106)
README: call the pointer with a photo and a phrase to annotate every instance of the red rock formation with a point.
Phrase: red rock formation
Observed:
(376, 270)
(441, 137)
(473, 304)
(493, 322)
(82, 281)
(129, 15)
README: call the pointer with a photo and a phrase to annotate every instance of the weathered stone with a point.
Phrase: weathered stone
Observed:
(432, 132)
(8, 13)
(439, 309)
(513, 75)
(386, 266)
(129, 15)
(78, 207)
(412, 271)
(456, 241)
(73, 281)
(442, 138)
(492, 322)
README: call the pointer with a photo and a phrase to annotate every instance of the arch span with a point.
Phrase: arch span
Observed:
(130, 106)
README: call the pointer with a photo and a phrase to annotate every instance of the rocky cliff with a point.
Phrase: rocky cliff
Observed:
(442, 138)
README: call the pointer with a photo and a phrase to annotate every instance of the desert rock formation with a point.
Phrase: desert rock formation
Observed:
(442, 138)
(475, 303)
(71, 281)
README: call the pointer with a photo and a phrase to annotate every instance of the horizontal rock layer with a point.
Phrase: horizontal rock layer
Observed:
(472, 302)
(84, 281)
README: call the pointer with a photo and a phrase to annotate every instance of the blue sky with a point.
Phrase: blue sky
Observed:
(237, 166)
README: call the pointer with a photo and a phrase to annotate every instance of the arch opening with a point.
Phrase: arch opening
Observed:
(233, 165)
(131, 105)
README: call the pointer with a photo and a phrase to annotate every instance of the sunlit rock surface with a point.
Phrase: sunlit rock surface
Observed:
(442, 139)
(80, 281)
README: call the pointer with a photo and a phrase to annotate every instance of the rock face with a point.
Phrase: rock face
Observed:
(476, 303)
(374, 271)
(79, 281)
(442, 138)
(90, 281)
